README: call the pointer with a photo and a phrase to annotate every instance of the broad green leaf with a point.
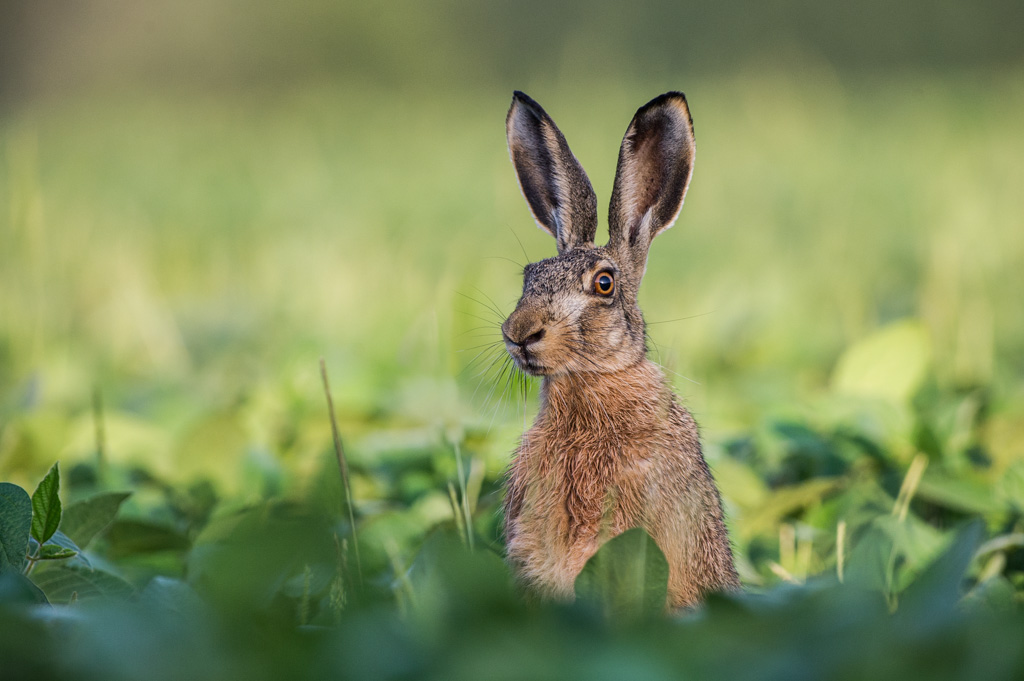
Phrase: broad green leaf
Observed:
(993, 595)
(246, 557)
(132, 537)
(446, 577)
(890, 364)
(46, 506)
(15, 526)
(59, 580)
(872, 560)
(627, 577)
(867, 564)
(16, 588)
(939, 587)
(957, 493)
(166, 593)
(917, 542)
(85, 519)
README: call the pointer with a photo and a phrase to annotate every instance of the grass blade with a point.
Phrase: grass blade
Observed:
(339, 451)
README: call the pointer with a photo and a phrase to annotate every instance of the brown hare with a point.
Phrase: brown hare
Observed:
(611, 448)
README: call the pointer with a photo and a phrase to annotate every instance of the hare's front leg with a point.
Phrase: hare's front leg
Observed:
(686, 522)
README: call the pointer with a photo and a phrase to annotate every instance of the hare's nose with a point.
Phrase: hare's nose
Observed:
(533, 337)
(516, 336)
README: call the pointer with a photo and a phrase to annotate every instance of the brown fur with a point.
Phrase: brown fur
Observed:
(611, 448)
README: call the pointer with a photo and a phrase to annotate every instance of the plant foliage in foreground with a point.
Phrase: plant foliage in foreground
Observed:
(272, 591)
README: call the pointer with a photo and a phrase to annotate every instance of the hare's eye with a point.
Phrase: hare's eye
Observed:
(604, 284)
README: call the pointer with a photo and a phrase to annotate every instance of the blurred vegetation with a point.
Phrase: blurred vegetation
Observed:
(449, 44)
(198, 201)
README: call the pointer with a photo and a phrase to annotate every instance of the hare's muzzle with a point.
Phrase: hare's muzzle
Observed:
(522, 333)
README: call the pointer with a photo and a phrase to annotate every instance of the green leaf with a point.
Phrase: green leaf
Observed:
(15, 526)
(917, 541)
(172, 595)
(84, 520)
(58, 546)
(17, 588)
(936, 592)
(784, 501)
(59, 580)
(246, 557)
(46, 506)
(890, 364)
(62, 540)
(56, 552)
(627, 577)
(957, 493)
(133, 537)
(993, 595)
(867, 565)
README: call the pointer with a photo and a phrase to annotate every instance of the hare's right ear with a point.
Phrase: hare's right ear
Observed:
(554, 184)
(655, 165)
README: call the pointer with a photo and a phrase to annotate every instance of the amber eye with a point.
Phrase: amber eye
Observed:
(604, 284)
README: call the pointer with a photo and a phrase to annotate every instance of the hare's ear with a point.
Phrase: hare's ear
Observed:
(655, 165)
(554, 184)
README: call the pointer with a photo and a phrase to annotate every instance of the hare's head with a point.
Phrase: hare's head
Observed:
(578, 311)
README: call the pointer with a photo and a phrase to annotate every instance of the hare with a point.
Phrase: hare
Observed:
(611, 448)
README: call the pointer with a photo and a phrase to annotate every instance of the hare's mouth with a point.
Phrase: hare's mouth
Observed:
(526, 360)
(531, 366)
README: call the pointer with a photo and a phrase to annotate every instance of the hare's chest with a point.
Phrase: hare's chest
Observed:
(573, 502)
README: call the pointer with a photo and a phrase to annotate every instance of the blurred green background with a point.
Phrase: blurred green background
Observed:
(205, 197)
(198, 200)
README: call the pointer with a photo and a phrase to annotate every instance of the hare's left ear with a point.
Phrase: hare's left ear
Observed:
(655, 165)
(554, 184)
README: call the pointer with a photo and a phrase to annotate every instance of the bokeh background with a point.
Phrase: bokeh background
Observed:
(198, 200)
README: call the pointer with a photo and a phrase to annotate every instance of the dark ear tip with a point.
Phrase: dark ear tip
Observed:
(673, 95)
(673, 99)
(520, 97)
